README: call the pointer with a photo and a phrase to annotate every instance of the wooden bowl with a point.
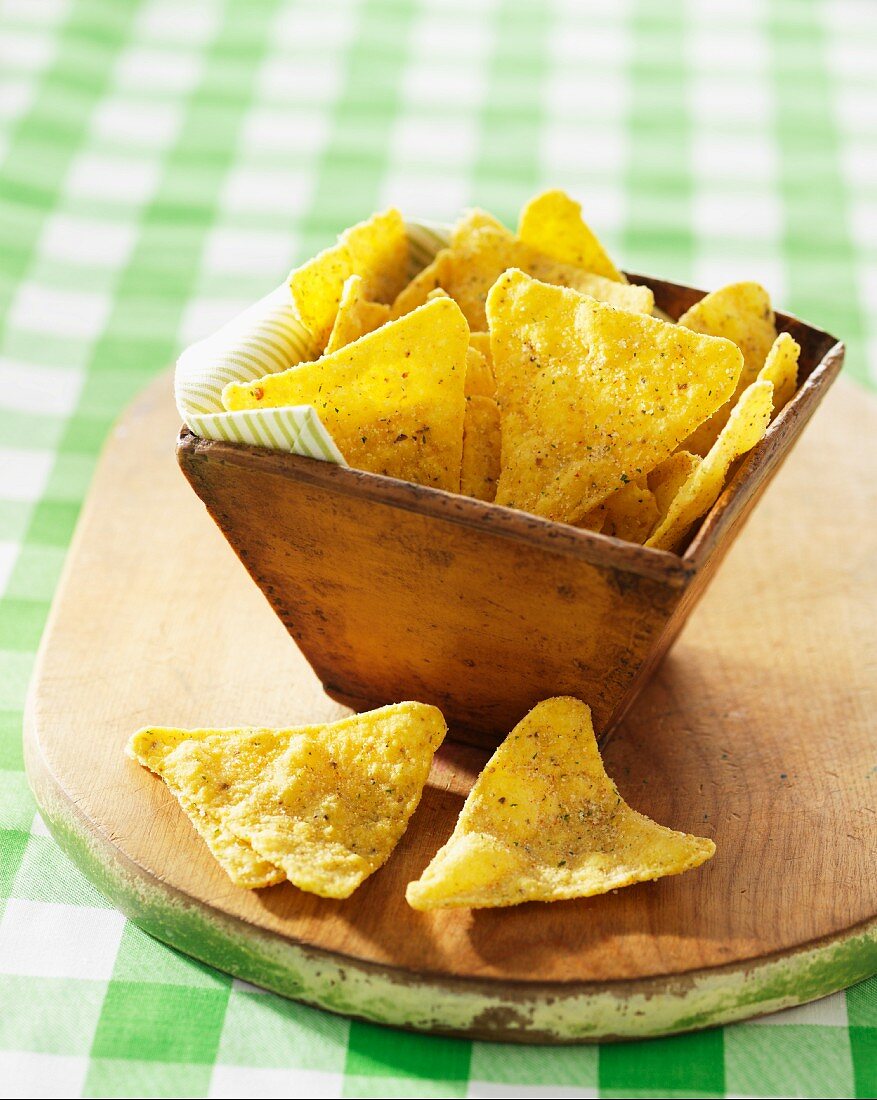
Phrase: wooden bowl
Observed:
(398, 591)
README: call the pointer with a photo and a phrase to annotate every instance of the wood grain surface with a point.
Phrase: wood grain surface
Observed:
(759, 730)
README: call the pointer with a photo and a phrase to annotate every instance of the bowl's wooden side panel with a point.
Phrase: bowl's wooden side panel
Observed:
(388, 604)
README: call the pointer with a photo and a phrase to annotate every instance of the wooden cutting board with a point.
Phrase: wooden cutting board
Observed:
(759, 730)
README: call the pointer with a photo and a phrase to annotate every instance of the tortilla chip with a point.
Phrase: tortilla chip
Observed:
(595, 520)
(481, 448)
(592, 397)
(746, 426)
(630, 513)
(479, 376)
(323, 805)
(740, 312)
(544, 822)
(376, 249)
(552, 223)
(471, 222)
(478, 261)
(667, 479)
(356, 315)
(153, 747)
(780, 368)
(425, 283)
(393, 401)
(481, 342)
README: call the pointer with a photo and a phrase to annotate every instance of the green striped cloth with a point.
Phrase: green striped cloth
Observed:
(162, 166)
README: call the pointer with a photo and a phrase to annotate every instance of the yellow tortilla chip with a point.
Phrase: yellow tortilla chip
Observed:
(425, 283)
(152, 747)
(545, 822)
(667, 479)
(780, 368)
(740, 312)
(376, 249)
(552, 223)
(481, 342)
(478, 261)
(393, 401)
(471, 222)
(479, 376)
(595, 520)
(356, 315)
(746, 426)
(592, 397)
(324, 806)
(481, 448)
(630, 513)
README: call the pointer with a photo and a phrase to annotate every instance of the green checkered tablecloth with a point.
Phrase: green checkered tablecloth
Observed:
(162, 164)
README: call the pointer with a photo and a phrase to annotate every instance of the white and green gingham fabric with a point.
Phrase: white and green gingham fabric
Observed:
(162, 165)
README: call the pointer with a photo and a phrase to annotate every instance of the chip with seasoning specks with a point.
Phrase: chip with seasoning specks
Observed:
(481, 342)
(630, 513)
(668, 477)
(740, 312)
(376, 250)
(552, 223)
(746, 425)
(168, 753)
(481, 256)
(424, 284)
(322, 806)
(481, 448)
(356, 315)
(479, 376)
(592, 397)
(544, 822)
(393, 400)
(781, 369)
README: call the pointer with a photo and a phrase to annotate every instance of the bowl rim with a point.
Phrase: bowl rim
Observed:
(592, 547)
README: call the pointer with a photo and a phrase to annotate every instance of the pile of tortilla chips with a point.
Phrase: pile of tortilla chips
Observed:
(525, 369)
(324, 806)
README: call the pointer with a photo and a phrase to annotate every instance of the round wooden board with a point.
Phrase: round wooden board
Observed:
(759, 730)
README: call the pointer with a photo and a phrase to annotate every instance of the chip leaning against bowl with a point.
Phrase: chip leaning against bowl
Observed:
(525, 369)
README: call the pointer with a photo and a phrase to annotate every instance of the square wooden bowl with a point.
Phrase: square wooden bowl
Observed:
(397, 591)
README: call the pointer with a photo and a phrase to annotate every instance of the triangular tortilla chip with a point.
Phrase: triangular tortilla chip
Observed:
(667, 479)
(630, 513)
(324, 804)
(746, 426)
(592, 397)
(356, 315)
(479, 376)
(780, 368)
(425, 283)
(480, 257)
(740, 312)
(393, 401)
(481, 342)
(544, 822)
(153, 747)
(376, 249)
(552, 223)
(481, 448)
(471, 221)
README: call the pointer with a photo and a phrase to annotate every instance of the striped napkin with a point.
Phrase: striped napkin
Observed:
(266, 338)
